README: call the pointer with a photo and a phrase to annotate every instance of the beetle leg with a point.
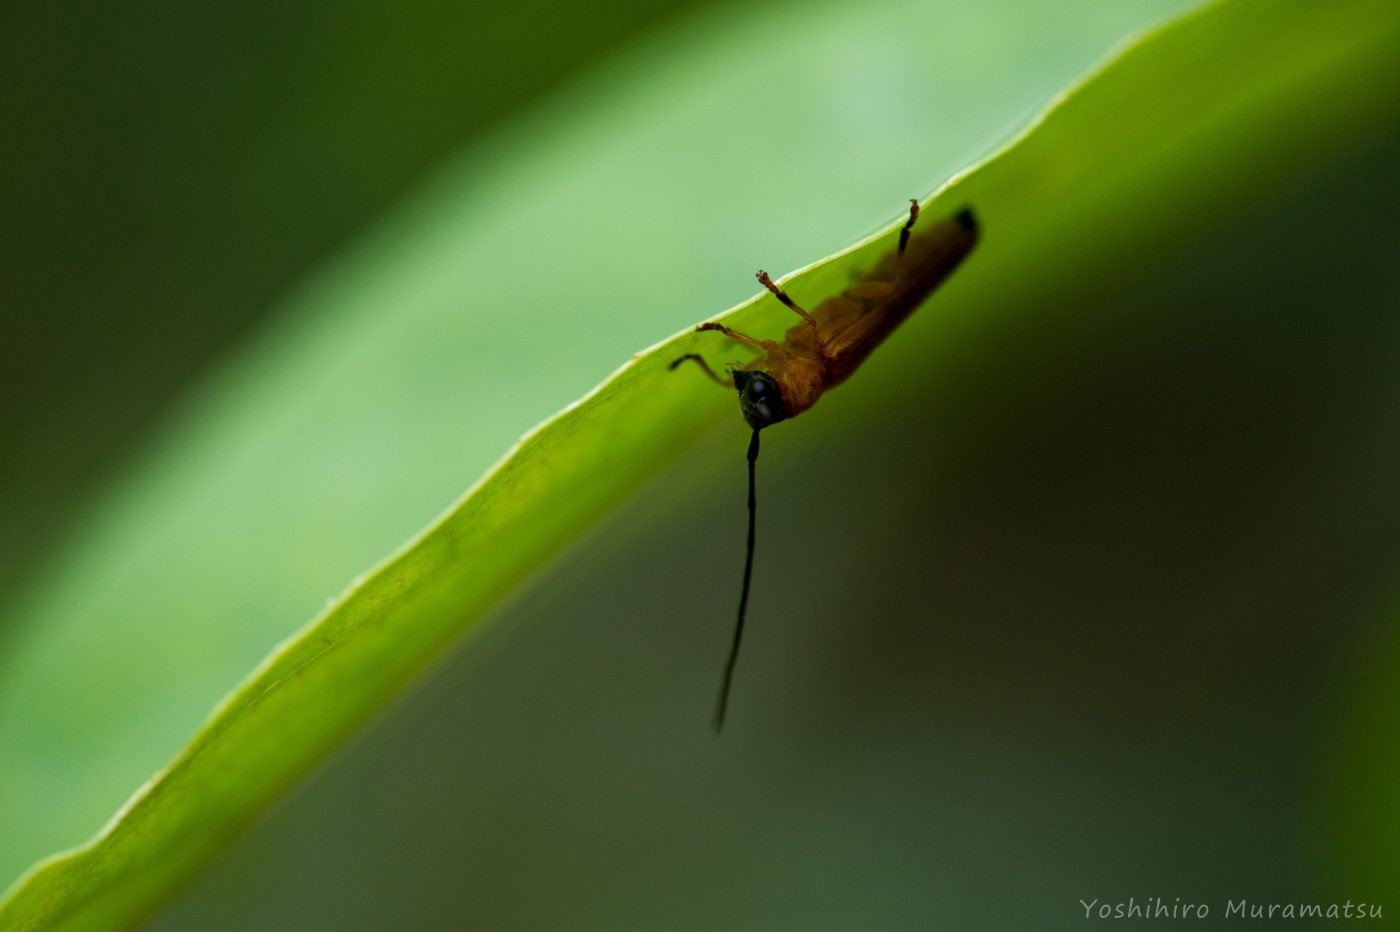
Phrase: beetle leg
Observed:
(904, 236)
(699, 361)
(736, 335)
(782, 296)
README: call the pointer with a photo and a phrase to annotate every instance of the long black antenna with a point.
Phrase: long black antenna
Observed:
(743, 597)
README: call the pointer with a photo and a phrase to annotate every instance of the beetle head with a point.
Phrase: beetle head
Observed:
(760, 398)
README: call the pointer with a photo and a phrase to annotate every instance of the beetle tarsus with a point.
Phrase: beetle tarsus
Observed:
(767, 282)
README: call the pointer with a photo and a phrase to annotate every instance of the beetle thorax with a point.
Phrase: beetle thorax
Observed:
(800, 376)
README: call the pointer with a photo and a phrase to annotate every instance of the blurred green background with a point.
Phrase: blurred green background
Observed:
(1092, 616)
(170, 170)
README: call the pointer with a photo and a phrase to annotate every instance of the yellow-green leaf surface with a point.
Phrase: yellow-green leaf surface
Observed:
(212, 545)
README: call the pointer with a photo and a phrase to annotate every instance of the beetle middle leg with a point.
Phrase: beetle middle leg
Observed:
(782, 296)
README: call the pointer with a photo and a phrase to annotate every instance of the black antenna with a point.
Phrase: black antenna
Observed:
(743, 597)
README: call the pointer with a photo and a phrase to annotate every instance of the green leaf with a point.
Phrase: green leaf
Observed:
(1185, 125)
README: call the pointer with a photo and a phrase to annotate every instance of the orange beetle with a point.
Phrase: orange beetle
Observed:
(828, 345)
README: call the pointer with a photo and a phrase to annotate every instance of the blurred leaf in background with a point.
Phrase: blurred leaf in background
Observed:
(317, 452)
(169, 169)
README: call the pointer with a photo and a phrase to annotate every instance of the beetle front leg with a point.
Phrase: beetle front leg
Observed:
(699, 361)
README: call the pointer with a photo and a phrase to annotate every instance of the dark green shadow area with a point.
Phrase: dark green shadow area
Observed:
(1083, 630)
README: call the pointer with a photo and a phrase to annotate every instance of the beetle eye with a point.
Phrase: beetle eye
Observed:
(760, 399)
